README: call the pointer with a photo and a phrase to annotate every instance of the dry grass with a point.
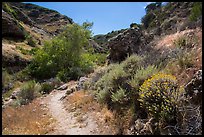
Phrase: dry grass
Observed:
(10, 51)
(167, 41)
(28, 29)
(108, 121)
(194, 57)
(25, 120)
(50, 28)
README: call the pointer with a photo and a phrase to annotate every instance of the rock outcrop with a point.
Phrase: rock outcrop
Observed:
(131, 41)
(11, 28)
(97, 47)
(49, 20)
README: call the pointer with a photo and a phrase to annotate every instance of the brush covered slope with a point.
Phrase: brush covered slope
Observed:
(149, 84)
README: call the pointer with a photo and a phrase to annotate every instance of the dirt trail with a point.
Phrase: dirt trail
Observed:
(66, 123)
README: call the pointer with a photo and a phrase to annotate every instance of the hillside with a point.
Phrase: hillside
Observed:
(58, 79)
(24, 27)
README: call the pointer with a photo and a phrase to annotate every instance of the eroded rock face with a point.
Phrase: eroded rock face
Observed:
(49, 20)
(126, 43)
(97, 48)
(10, 27)
(194, 88)
(23, 17)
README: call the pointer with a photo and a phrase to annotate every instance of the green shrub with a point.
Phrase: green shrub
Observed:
(135, 25)
(196, 11)
(110, 83)
(153, 6)
(100, 58)
(23, 51)
(47, 88)
(185, 42)
(8, 9)
(158, 95)
(132, 63)
(29, 91)
(141, 75)
(114, 86)
(22, 75)
(63, 56)
(119, 96)
(185, 60)
(148, 19)
(33, 51)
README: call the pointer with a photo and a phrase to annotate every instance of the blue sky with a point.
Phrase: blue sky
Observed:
(106, 16)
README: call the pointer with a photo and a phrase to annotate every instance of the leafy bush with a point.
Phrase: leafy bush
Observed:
(110, 83)
(7, 8)
(22, 75)
(119, 96)
(47, 88)
(135, 25)
(196, 11)
(185, 60)
(115, 86)
(132, 63)
(153, 6)
(141, 75)
(158, 95)
(29, 91)
(148, 19)
(63, 56)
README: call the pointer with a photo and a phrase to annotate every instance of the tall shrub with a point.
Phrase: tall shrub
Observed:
(63, 55)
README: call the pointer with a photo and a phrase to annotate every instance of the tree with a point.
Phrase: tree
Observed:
(133, 25)
(62, 56)
(147, 19)
(153, 6)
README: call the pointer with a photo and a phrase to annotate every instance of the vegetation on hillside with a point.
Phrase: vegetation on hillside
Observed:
(67, 56)
(150, 87)
(196, 11)
(102, 39)
(146, 88)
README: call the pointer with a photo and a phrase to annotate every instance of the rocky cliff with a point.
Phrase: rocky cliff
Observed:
(160, 21)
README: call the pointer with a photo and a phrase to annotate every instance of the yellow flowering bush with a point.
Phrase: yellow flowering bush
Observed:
(158, 95)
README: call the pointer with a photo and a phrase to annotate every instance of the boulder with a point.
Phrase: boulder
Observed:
(144, 127)
(126, 43)
(71, 89)
(63, 87)
(81, 82)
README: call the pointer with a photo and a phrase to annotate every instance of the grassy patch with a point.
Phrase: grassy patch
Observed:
(26, 120)
(29, 91)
